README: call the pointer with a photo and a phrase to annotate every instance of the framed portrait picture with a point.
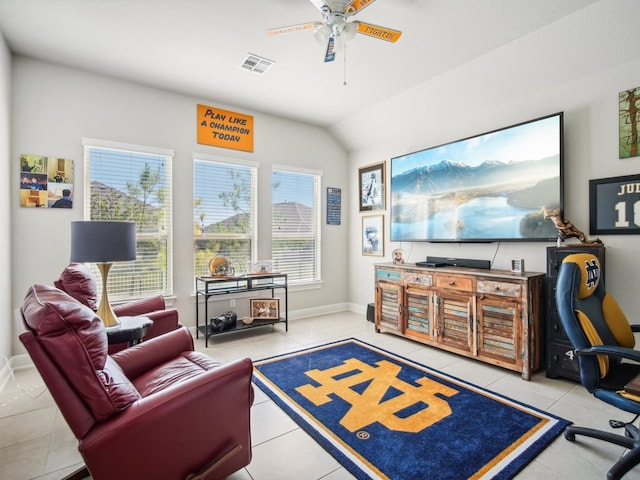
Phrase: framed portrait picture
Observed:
(373, 235)
(372, 187)
(517, 265)
(398, 256)
(265, 308)
(613, 205)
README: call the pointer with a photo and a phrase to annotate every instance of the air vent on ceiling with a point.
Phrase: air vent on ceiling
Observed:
(256, 64)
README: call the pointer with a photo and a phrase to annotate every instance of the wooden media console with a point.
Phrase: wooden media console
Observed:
(494, 316)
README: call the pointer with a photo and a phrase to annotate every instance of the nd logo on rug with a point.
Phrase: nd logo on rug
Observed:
(369, 406)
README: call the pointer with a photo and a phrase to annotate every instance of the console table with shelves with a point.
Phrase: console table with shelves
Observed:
(209, 287)
(495, 316)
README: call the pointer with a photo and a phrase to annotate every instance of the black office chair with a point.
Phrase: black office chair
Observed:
(602, 338)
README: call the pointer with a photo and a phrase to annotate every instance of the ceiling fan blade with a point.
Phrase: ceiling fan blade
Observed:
(356, 5)
(293, 28)
(376, 31)
(330, 54)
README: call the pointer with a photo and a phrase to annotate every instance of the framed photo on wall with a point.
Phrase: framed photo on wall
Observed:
(613, 205)
(372, 187)
(373, 235)
(46, 182)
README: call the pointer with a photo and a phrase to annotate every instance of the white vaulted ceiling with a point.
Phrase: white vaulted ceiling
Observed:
(196, 47)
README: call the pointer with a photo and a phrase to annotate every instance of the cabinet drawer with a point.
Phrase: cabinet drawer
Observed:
(417, 278)
(464, 284)
(392, 275)
(506, 289)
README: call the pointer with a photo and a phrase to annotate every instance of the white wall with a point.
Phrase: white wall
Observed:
(55, 107)
(6, 319)
(577, 65)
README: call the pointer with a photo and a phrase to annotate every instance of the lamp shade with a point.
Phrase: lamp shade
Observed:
(103, 241)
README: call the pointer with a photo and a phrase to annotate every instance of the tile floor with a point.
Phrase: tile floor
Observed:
(35, 442)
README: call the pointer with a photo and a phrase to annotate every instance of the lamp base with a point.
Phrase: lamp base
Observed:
(105, 312)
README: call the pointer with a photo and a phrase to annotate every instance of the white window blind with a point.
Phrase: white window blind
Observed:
(296, 224)
(224, 212)
(133, 183)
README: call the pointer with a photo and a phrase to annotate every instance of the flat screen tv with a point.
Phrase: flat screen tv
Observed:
(494, 187)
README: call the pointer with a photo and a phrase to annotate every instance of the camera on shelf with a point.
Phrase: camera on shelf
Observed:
(226, 321)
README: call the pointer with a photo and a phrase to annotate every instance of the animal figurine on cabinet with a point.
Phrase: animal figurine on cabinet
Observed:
(566, 229)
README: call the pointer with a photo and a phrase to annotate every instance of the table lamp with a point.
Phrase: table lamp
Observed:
(103, 242)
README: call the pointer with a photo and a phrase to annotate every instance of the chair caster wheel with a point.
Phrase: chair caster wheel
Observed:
(570, 436)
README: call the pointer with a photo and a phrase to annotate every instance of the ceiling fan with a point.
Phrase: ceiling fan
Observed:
(336, 27)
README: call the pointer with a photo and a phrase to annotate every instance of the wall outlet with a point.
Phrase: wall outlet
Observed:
(232, 303)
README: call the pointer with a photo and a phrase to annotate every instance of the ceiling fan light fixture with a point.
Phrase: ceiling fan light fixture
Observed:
(322, 34)
(336, 28)
(349, 31)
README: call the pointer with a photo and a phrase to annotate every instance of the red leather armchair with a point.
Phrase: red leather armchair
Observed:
(78, 281)
(155, 410)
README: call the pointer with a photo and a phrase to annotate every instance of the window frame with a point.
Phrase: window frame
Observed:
(165, 231)
(316, 216)
(252, 235)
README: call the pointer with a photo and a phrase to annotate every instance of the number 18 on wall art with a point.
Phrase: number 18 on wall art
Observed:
(614, 205)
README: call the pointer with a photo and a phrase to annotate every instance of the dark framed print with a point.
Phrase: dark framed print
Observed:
(614, 205)
(373, 235)
(372, 187)
(265, 308)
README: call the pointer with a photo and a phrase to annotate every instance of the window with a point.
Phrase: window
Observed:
(224, 212)
(296, 224)
(133, 183)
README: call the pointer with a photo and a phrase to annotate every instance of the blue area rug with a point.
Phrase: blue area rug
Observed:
(383, 416)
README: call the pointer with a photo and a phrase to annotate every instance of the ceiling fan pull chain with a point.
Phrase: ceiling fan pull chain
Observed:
(344, 65)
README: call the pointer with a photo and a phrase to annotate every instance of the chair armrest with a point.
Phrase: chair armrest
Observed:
(622, 352)
(179, 430)
(143, 357)
(139, 307)
(163, 321)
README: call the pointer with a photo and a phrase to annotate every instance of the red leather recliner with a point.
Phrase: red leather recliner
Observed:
(78, 281)
(155, 410)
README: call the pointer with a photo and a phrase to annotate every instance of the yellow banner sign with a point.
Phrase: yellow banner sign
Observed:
(225, 129)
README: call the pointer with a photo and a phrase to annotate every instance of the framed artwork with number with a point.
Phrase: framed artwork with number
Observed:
(372, 188)
(614, 205)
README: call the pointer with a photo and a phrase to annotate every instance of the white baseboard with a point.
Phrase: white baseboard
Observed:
(13, 363)
(5, 375)
(323, 310)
